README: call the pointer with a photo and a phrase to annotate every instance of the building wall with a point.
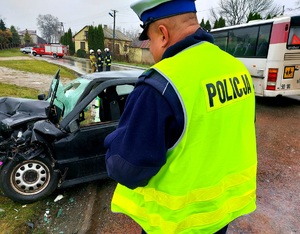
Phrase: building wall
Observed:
(121, 47)
(34, 39)
(33, 36)
(81, 38)
(147, 57)
(107, 44)
(139, 55)
(122, 52)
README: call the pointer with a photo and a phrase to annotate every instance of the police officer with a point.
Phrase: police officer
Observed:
(93, 61)
(99, 60)
(184, 153)
(107, 59)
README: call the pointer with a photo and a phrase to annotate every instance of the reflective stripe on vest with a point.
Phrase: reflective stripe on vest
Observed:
(209, 178)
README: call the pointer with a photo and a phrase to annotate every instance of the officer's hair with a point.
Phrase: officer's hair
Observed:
(178, 22)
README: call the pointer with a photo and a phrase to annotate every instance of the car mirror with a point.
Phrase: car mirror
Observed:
(73, 126)
(41, 96)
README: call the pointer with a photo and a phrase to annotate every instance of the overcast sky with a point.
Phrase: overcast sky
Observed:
(76, 14)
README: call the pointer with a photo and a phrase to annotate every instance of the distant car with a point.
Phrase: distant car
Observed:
(26, 50)
(57, 141)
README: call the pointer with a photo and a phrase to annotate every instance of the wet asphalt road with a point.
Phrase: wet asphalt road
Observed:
(81, 66)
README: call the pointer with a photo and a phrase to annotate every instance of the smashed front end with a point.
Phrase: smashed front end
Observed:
(24, 121)
(17, 115)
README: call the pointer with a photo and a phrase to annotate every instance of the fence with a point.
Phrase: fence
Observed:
(8, 46)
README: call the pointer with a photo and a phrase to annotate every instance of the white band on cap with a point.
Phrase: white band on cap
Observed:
(143, 5)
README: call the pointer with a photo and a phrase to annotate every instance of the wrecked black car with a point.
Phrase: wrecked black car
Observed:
(57, 141)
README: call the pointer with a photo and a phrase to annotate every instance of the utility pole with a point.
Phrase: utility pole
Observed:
(62, 27)
(114, 29)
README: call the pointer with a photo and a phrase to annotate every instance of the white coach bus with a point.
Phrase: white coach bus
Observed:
(270, 49)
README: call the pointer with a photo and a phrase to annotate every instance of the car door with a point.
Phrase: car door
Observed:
(81, 155)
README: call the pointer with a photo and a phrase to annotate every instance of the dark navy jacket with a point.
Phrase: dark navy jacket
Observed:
(151, 124)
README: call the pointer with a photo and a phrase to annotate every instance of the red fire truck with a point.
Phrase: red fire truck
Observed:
(55, 50)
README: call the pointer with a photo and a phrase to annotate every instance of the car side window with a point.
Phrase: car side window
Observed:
(107, 106)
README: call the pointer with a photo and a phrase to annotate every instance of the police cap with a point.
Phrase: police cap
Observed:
(152, 10)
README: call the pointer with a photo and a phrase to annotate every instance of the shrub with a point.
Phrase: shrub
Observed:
(81, 53)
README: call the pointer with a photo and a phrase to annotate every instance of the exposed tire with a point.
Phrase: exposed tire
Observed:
(34, 53)
(29, 180)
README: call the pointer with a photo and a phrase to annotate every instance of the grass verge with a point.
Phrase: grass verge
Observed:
(11, 53)
(33, 65)
(16, 218)
(37, 66)
(8, 90)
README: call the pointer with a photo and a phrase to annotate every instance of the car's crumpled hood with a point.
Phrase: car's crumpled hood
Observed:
(14, 111)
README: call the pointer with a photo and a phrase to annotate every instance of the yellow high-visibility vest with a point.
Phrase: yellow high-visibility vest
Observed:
(209, 178)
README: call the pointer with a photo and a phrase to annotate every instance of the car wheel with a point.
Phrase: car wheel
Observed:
(29, 180)
(34, 53)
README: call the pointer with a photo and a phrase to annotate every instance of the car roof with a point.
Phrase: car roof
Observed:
(113, 75)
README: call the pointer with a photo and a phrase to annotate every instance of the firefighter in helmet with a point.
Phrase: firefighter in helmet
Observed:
(93, 61)
(107, 59)
(100, 60)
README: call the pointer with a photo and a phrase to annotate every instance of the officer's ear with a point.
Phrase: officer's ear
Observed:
(164, 35)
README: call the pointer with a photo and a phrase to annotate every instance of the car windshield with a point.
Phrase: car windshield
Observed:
(67, 95)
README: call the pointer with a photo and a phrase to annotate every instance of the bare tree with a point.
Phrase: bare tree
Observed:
(50, 27)
(296, 6)
(236, 11)
(132, 33)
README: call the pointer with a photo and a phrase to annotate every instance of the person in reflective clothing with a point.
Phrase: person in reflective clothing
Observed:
(107, 59)
(184, 153)
(93, 61)
(100, 60)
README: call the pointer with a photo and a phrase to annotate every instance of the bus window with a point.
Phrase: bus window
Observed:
(263, 41)
(232, 42)
(294, 34)
(294, 38)
(239, 48)
(221, 39)
(250, 41)
(242, 41)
